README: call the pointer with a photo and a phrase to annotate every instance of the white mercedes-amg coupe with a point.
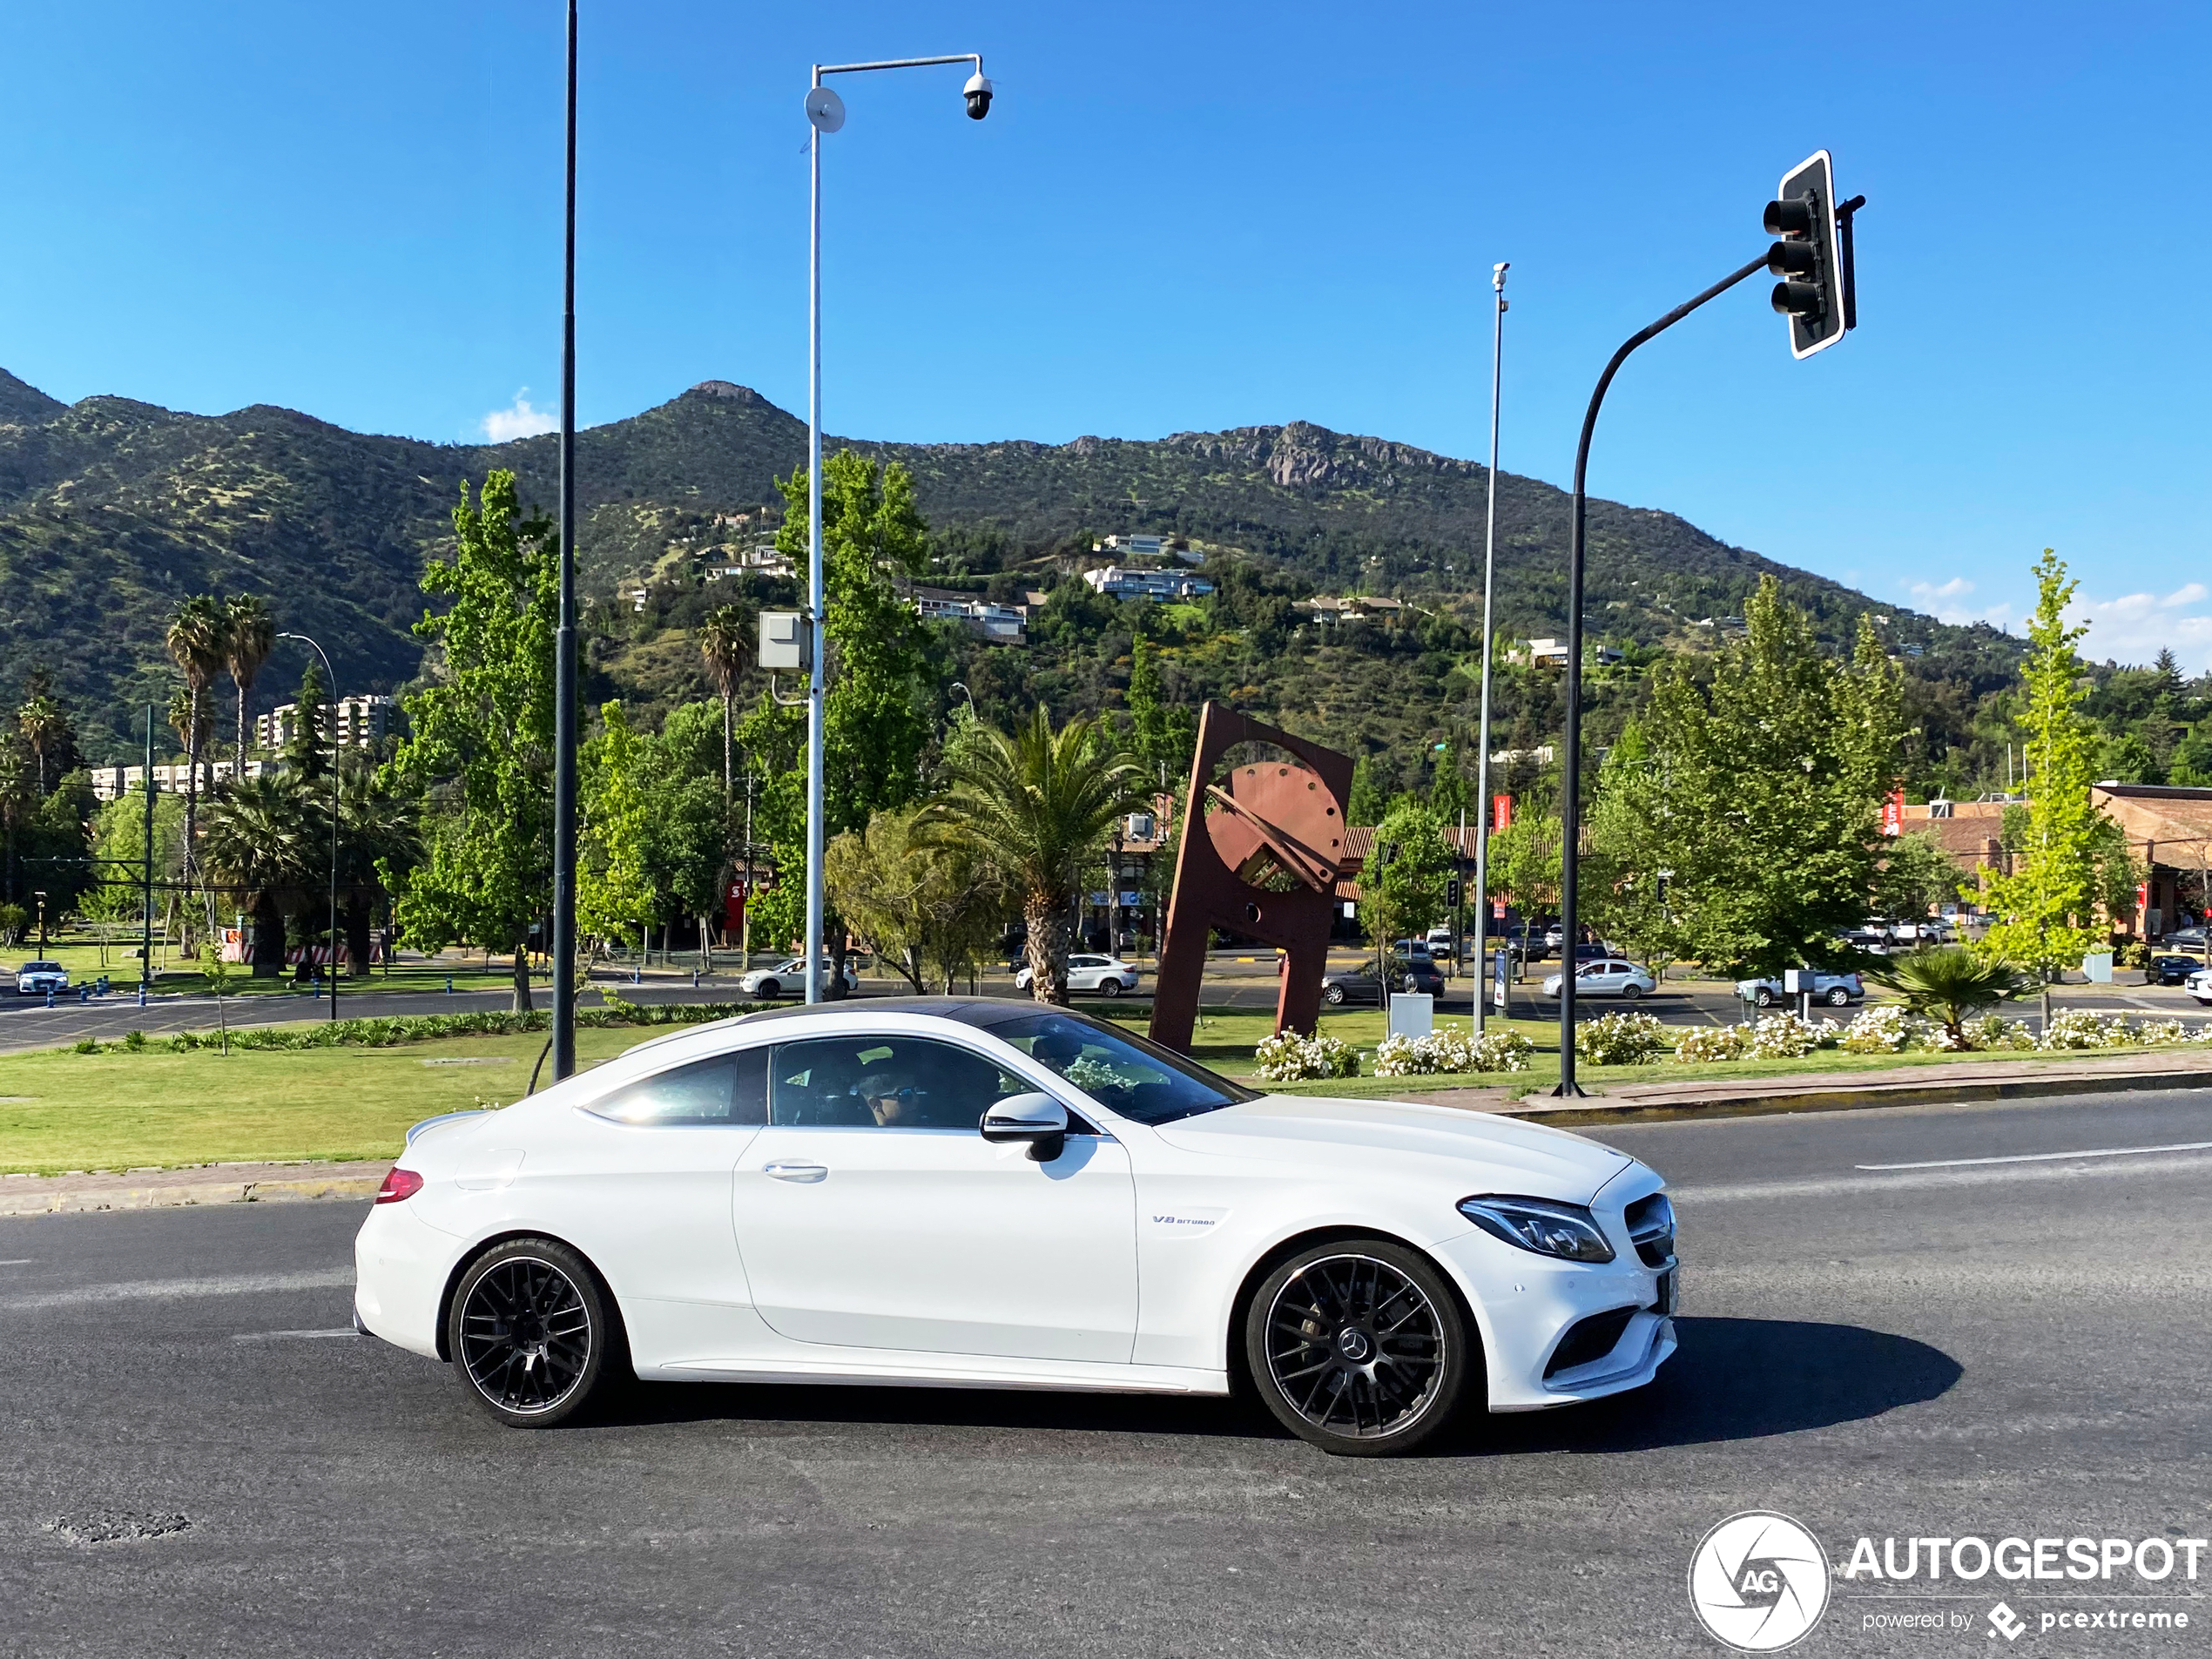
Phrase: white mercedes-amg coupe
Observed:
(966, 1193)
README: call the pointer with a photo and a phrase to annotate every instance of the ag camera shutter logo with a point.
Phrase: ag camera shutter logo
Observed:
(1758, 1583)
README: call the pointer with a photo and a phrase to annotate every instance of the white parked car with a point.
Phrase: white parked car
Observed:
(971, 1193)
(2199, 986)
(36, 979)
(1104, 976)
(1608, 977)
(788, 978)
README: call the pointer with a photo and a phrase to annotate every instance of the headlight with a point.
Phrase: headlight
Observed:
(1565, 1231)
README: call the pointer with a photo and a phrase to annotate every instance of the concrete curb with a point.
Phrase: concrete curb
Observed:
(154, 1189)
(1601, 1110)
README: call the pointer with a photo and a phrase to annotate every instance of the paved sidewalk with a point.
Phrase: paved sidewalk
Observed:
(38, 1194)
(1843, 1091)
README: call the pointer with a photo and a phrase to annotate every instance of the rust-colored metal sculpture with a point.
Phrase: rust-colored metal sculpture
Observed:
(1262, 862)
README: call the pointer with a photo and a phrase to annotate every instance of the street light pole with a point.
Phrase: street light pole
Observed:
(146, 901)
(565, 693)
(330, 676)
(1489, 640)
(826, 114)
(1570, 804)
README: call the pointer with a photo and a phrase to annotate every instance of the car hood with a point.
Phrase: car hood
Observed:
(1327, 1134)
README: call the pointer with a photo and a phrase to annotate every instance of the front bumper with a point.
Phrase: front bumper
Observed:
(1527, 1304)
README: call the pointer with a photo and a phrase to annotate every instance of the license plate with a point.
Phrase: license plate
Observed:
(1668, 1295)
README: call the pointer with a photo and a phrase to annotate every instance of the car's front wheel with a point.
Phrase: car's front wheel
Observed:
(1333, 995)
(1765, 998)
(531, 1332)
(1359, 1346)
(1838, 998)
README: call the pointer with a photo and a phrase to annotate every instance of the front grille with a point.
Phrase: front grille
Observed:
(1590, 1338)
(1652, 1228)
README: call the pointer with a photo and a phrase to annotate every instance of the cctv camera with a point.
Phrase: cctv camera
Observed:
(978, 93)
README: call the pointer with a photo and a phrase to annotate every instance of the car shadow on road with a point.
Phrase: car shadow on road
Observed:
(1732, 1380)
(1739, 1380)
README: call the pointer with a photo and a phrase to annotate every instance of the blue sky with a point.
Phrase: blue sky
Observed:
(1186, 216)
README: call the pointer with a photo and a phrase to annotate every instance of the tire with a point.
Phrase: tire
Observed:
(1412, 986)
(1838, 998)
(1630, 993)
(1765, 998)
(770, 988)
(1359, 1346)
(1109, 988)
(1333, 996)
(531, 1333)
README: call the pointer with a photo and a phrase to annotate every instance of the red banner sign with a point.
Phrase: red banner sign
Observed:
(1501, 813)
(1893, 813)
(733, 908)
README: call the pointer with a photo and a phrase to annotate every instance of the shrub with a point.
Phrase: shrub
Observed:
(1503, 1051)
(1287, 1057)
(1451, 1050)
(1888, 1029)
(1994, 1031)
(2080, 1028)
(387, 1031)
(1785, 1036)
(1621, 1040)
(134, 1041)
(2159, 1034)
(1701, 1044)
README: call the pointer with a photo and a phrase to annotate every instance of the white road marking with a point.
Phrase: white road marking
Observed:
(166, 1290)
(20, 1261)
(1902, 1181)
(2045, 1157)
(279, 1336)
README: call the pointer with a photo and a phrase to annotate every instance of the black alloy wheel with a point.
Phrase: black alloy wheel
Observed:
(531, 1332)
(1359, 1346)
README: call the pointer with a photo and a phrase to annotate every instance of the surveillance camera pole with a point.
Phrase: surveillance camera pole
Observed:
(1570, 785)
(824, 117)
(1489, 568)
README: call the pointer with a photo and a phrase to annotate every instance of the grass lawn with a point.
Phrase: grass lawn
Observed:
(61, 1111)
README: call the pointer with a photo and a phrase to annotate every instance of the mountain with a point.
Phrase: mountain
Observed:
(112, 510)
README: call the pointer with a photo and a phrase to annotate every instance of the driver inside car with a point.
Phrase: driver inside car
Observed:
(891, 1098)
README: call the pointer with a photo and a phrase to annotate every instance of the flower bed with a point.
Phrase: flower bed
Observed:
(1289, 1058)
(1621, 1040)
(1451, 1050)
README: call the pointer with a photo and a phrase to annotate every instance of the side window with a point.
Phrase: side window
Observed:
(731, 1090)
(884, 1082)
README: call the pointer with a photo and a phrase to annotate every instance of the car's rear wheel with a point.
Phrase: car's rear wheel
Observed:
(1109, 988)
(1630, 992)
(1765, 998)
(1838, 998)
(1359, 1346)
(531, 1332)
(1333, 995)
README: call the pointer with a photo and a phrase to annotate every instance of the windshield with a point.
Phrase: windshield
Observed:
(1121, 1072)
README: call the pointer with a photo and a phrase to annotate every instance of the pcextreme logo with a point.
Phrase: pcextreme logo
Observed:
(1759, 1582)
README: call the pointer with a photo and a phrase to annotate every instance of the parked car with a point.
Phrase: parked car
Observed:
(826, 1195)
(1530, 942)
(2171, 970)
(1866, 940)
(788, 978)
(1605, 976)
(36, 979)
(1106, 975)
(1836, 990)
(1417, 975)
(2183, 939)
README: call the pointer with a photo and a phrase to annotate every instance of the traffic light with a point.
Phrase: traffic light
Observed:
(1452, 892)
(1812, 255)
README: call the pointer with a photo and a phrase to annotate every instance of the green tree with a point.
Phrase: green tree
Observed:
(1762, 793)
(249, 635)
(480, 742)
(724, 644)
(927, 905)
(1365, 806)
(1916, 876)
(119, 845)
(1624, 874)
(195, 638)
(614, 889)
(44, 725)
(265, 844)
(1040, 805)
(2046, 904)
(1449, 796)
(1524, 863)
(1402, 884)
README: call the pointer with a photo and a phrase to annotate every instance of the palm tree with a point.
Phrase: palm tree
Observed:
(195, 643)
(46, 728)
(1040, 804)
(1949, 983)
(263, 839)
(725, 644)
(249, 636)
(378, 836)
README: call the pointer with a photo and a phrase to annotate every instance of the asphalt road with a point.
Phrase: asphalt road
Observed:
(193, 1462)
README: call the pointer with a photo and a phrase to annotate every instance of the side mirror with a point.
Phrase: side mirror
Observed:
(1036, 1118)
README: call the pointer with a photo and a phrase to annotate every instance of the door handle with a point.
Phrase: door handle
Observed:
(789, 1169)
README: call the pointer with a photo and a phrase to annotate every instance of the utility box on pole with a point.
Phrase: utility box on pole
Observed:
(785, 641)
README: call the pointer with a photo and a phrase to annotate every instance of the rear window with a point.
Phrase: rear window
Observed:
(729, 1090)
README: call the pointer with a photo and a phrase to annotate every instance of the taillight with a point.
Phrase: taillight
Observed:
(398, 1183)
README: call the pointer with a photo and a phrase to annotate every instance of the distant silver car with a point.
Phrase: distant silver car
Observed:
(1836, 990)
(1607, 976)
(1105, 976)
(788, 978)
(36, 979)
